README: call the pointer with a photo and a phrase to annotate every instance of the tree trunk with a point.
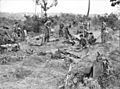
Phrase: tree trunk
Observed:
(45, 14)
(88, 9)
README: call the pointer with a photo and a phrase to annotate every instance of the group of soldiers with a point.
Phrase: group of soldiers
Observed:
(85, 37)
(64, 31)
(18, 33)
(10, 38)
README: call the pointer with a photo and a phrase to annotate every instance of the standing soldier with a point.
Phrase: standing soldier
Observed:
(66, 32)
(15, 27)
(61, 30)
(17, 32)
(47, 32)
(85, 25)
(103, 35)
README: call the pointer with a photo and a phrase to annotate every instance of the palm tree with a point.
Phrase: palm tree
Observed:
(88, 8)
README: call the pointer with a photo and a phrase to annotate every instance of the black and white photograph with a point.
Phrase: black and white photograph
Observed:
(59, 44)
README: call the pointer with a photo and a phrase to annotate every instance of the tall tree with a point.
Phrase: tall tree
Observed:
(115, 2)
(88, 8)
(44, 5)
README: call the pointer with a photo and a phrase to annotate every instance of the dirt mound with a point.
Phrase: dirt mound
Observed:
(57, 64)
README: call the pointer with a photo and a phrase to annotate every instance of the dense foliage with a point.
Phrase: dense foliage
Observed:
(115, 2)
(111, 20)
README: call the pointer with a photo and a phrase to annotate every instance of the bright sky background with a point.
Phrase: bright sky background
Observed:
(65, 6)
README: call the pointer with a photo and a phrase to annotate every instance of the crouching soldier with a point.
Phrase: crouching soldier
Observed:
(83, 42)
(67, 33)
(91, 39)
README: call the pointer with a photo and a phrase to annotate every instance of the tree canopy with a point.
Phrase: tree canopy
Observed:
(115, 2)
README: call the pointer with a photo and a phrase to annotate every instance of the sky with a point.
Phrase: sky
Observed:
(64, 6)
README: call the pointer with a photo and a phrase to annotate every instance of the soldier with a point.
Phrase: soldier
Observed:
(18, 33)
(85, 25)
(91, 39)
(107, 65)
(15, 26)
(83, 41)
(67, 33)
(86, 34)
(47, 32)
(101, 66)
(14, 36)
(7, 38)
(103, 35)
(61, 30)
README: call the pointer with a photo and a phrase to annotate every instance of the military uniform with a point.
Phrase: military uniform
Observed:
(85, 26)
(86, 34)
(67, 33)
(18, 32)
(103, 34)
(47, 34)
(83, 41)
(61, 30)
(91, 39)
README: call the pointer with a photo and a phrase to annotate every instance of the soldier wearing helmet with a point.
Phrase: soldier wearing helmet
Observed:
(47, 31)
